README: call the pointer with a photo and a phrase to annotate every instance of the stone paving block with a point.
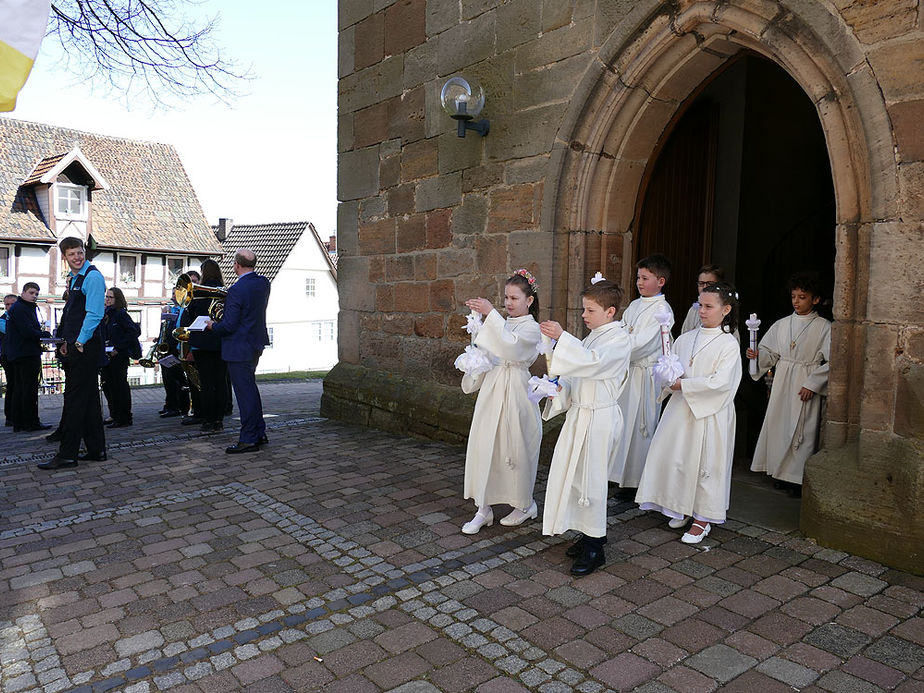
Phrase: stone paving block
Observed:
(625, 671)
(463, 674)
(857, 583)
(839, 640)
(396, 670)
(720, 662)
(788, 672)
(682, 678)
(874, 672)
(897, 653)
(839, 681)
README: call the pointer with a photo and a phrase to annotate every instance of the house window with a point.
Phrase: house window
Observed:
(309, 287)
(328, 331)
(72, 201)
(175, 267)
(269, 331)
(5, 270)
(134, 381)
(315, 332)
(128, 270)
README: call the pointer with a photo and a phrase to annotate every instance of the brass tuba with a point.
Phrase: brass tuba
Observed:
(185, 292)
(159, 349)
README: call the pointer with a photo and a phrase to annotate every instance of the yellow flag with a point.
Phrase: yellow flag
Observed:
(22, 27)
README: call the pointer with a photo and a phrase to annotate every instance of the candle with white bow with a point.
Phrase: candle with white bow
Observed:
(668, 368)
(752, 324)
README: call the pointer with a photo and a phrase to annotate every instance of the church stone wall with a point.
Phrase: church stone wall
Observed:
(428, 219)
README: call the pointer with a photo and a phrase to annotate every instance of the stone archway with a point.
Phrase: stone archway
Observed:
(656, 60)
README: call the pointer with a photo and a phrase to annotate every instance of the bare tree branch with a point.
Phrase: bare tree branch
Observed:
(148, 45)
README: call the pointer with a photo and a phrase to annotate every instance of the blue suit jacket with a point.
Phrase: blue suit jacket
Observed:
(243, 327)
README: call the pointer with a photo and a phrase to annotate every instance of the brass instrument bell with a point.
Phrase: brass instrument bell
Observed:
(185, 292)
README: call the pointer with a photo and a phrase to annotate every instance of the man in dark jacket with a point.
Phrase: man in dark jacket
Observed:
(24, 352)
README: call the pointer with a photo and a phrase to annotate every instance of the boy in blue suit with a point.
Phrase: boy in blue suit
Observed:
(243, 337)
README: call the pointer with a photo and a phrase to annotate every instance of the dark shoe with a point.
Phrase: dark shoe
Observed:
(54, 436)
(109, 421)
(209, 427)
(238, 448)
(120, 424)
(191, 420)
(170, 412)
(57, 463)
(576, 548)
(263, 440)
(101, 457)
(163, 410)
(589, 560)
(625, 494)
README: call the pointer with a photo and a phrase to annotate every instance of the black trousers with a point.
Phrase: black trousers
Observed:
(10, 389)
(26, 373)
(213, 373)
(114, 379)
(82, 418)
(176, 388)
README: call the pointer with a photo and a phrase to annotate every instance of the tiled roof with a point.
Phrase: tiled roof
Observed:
(271, 242)
(43, 167)
(150, 205)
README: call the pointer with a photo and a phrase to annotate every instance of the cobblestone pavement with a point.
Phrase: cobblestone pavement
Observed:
(332, 560)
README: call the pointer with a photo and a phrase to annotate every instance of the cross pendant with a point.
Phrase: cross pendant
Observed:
(792, 344)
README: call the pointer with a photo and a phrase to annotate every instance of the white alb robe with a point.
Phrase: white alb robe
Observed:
(639, 400)
(688, 470)
(592, 374)
(787, 438)
(503, 443)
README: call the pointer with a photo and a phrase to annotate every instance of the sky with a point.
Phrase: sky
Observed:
(268, 156)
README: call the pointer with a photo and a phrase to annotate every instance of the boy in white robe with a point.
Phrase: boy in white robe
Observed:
(506, 432)
(688, 470)
(639, 400)
(592, 373)
(799, 346)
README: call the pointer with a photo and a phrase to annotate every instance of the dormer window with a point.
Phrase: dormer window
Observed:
(71, 201)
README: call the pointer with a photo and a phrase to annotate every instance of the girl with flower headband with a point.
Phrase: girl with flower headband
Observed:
(688, 468)
(503, 444)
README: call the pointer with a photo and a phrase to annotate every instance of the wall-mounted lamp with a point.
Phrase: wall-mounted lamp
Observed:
(463, 100)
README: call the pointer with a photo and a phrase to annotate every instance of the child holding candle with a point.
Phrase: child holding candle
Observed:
(639, 399)
(688, 470)
(592, 375)
(503, 444)
(799, 346)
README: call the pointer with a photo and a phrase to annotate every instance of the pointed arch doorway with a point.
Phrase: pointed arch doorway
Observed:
(742, 179)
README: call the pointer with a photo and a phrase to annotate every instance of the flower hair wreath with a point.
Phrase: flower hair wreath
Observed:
(721, 290)
(530, 279)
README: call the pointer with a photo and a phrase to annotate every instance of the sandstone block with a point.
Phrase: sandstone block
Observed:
(377, 237)
(384, 299)
(911, 187)
(896, 254)
(877, 21)
(412, 297)
(357, 174)
(398, 323)
(622, 16)
(399, 267)
(913, 344)
(419, 160)
(473, 286)
(898, 67)
(473, 8)
(440, 191)
(371, 85)
(466, 43)
(482, 177)
(456, 153)
(439, 228)
(405, 25)
(400, 199)
(345, 48)
(491, 254)
(553, 85)
(531, 170)
(555, 14)
(526, 133)
(518, 21)
(390, 171)
(352, 284)
(369, 41)
(430, 325)
(348, 228)
(407, 118)
(371, 209)
(453, 262)
(472, 216)
(370, 124)
(344, 132)
(906, 117)
(555, 45)
(348, 336)
(532, 250)
(909, 401)
(514, 207)
(376, 271)
(879, 377)
(442, 296)
(420, 64)
(425, 266)
(351, 11)
(441, 16)
(412, 233)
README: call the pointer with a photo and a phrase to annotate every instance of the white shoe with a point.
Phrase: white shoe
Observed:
(688, 538)
(484, 516)
(518, 517)
(678, 522)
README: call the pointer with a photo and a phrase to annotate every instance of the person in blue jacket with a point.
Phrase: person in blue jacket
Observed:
(243, 336)
(24, 353)
(8, 302)
(121, 334)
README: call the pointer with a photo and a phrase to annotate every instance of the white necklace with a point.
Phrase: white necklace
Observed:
(793, 340)
(695, 339)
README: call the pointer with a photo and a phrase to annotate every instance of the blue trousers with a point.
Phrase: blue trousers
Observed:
(249, 404)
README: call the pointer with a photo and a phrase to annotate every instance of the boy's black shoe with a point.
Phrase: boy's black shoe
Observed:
(99, 457)
(54, 436)
(170, 413)
(590, 559)
(575, 549)
(57, 462)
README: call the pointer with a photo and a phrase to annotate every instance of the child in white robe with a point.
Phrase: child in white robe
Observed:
(799, 346)
(639, 400)
(592, 374)
(688, 470)
(503, 444)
